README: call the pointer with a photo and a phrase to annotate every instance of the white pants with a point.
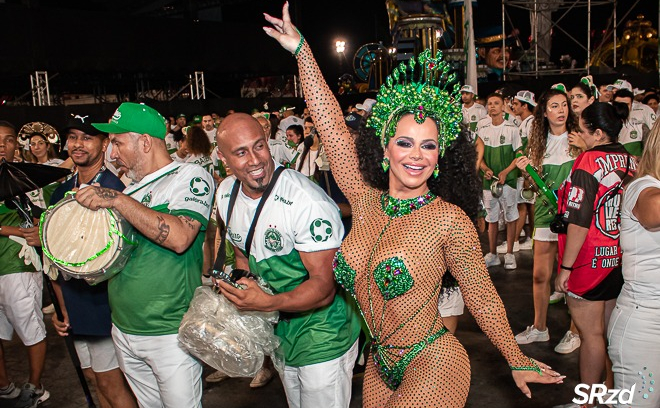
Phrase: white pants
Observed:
(159, 371)
(322, 385)
(633, 333)
(20, 307)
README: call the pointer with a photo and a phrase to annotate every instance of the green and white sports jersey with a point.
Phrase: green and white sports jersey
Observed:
(153, 291)
(298, 217)
(525, 129)
(641, 113)
(500, 145)
(170, 144)
(632, 136)
(473, 114)
(557, 164)
(10, 261)
(203, 160)
(512, 118)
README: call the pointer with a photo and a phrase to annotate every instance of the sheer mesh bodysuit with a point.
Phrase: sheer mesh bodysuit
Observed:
(436, 237)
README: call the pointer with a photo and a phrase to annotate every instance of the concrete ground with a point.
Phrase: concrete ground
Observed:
(492, 385)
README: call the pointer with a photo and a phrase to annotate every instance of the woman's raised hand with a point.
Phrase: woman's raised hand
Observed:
(282, 30)
(522, 162)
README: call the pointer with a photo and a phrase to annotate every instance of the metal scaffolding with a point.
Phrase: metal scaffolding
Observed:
(197, 88)
(535, 7)
(40, 90)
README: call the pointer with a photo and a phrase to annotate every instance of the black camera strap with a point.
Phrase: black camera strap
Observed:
(221, 256)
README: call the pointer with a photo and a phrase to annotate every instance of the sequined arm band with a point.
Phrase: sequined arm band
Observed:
(532, 367)
(300, 44)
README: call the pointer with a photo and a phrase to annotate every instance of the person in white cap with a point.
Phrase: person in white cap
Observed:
(365, 107)
(523, 106)
(472, 111)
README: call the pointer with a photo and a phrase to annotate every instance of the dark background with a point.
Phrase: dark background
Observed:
(108, 47)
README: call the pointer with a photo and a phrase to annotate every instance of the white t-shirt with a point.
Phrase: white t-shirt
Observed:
(641, 113)
(203, 160)
(474, 114)
(211, 135)
(641, 263)
(525, 128)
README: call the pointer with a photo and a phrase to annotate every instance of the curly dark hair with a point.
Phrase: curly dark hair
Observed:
(457, 182)
(197, 141)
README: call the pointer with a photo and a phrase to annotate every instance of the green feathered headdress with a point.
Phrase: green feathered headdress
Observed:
(425, 88)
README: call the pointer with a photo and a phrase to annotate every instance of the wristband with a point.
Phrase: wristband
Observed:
(566, 268)
(300, 44)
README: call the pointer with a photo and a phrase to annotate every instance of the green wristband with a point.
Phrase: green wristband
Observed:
(300, 44)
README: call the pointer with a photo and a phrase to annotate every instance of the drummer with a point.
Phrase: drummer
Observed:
(86, 309)
(501, 140)
(168, 204)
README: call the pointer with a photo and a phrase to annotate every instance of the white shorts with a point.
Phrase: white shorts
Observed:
(326, 384)
(20, 307)
(519, 188)
(544, 234)
(97, 353)
(451, 302)
(159, 370)
(506, 202)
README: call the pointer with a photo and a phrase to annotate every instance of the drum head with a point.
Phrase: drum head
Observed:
(74, 234)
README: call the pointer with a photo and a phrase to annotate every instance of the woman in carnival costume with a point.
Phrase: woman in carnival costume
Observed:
(406, 233)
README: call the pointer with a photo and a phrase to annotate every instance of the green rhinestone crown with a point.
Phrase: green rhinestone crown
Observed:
(425, 88)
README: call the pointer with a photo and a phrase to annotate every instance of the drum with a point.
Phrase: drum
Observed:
(496, 188)
(86, 244)
(527, 195)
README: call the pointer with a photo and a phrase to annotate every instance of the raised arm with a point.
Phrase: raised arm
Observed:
(326, 112)
(463, 256)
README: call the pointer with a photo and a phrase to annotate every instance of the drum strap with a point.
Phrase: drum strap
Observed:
(221, 256)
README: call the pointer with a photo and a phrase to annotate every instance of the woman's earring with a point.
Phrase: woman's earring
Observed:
(385, 164)
(436, 171)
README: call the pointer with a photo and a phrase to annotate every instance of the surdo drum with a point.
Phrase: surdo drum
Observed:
(86, 244)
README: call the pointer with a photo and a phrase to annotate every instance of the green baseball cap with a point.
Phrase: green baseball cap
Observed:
(135, 117)
(197, 119)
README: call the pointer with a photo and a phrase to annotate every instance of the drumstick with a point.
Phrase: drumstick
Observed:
(540, 183)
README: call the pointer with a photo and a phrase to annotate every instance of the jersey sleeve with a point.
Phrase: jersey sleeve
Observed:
(318, 226)
(192, 194)
(466, 264)
(580, 199)
(329, 121)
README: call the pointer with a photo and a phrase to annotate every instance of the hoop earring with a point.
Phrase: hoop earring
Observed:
(385, 164)
(436, 171)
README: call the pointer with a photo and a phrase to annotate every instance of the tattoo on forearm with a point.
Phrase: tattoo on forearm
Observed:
(163, 230)
(106, 193)
(188, 221)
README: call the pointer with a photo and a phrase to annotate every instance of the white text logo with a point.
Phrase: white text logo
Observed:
(601, 395)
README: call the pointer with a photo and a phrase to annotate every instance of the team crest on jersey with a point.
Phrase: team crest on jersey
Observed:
(502, 139)
(633, 134)
(473, 117)
(146, 199)
(321, 230)
(273, 240)
(575, 198)
(199, 187)
(608, 215)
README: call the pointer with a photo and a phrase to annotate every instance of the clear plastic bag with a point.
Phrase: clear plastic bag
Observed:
(229, 340)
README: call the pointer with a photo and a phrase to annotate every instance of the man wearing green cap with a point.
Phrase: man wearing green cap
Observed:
(169, 204)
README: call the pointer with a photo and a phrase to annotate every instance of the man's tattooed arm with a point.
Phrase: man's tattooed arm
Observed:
(189, 221)
(106, 193)
(163, 230)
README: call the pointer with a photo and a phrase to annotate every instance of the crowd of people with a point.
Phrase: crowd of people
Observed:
(574, 172)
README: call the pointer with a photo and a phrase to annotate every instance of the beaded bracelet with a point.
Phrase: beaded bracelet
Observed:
(532, 367)
(300, 44)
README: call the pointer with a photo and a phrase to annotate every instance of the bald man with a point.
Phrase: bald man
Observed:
(295, 240)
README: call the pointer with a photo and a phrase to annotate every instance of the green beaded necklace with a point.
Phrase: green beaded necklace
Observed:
(397, 207)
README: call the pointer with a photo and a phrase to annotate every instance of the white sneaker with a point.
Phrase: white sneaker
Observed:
(262, 378)
(526, 245)
(532, 335)
(501, 249)
(510, 261)
(216, 377)
(492, 260)
(568, 344)
(556, 297)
